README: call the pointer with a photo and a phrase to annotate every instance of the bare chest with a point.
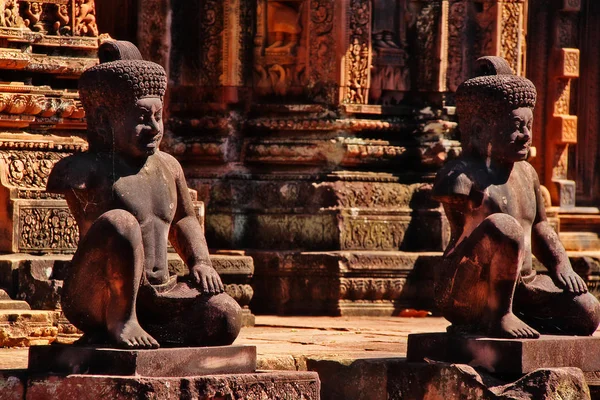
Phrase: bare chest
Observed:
(515, 198)
(148, 195)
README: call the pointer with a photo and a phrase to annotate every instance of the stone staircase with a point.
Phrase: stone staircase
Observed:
(21, 326)
(579, 229)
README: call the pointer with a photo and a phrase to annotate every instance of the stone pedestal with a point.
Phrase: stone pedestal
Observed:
(176, 362)
(507, 356)
(193, 372)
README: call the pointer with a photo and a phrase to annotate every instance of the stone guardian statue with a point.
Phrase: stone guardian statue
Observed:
(129, 200)
(494, 204)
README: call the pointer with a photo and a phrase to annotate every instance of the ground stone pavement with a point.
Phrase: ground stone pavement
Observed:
(285, 342)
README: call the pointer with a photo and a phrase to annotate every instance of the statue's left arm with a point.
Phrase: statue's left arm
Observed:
(546, 246)
(187, 237)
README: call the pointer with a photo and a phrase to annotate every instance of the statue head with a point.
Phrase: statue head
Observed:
(495, 111)
(123, 104)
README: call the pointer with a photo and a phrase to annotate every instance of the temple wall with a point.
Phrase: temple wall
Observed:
(313, 130)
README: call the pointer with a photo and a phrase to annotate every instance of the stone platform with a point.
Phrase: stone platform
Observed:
(357, 358)
(75, 372)
(507, 356)
(262, 385)
(175, 362)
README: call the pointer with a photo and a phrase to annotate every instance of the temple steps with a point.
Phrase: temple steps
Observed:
(579, 228)
(580, 241)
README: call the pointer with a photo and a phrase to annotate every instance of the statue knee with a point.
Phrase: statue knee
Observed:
(120, 224)
(505, 230)
(222, 320)
(586, 317)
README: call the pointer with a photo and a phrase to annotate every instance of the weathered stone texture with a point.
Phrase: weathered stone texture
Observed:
(551, 383)
(11, 386)
(379, 379)
(508, 356)
(268, 385)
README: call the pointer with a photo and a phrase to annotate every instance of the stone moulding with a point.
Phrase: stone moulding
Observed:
(342, 283)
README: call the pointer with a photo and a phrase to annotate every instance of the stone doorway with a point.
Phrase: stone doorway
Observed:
(118, 18)
(586, 167)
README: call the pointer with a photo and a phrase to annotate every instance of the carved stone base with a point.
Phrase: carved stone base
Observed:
(508, 356)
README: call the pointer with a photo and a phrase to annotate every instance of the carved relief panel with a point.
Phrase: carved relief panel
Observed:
(281, 47)
(53, 17)
(390, 72)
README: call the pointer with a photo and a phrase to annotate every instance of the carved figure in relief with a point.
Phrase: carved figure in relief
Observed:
(129, 199)
(384, 23)
(390, 75)
(61, 19)
(495, 207)
(10, 14)
(283, 27)
(33, 14)
(85, 18)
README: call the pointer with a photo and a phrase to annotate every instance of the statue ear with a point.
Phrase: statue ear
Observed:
(477, 134)
(103, 126)
(477, 128)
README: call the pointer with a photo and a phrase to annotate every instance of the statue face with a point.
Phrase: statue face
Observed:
(139, 132)
(510, 139)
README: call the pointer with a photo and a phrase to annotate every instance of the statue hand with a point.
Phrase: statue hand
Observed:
(207, 279)
(568, 280)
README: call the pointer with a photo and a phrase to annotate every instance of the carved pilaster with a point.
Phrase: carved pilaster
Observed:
(458, 54)
(562, 126)
(512, 34)
(213, 51)
(432, 45)
(154, 32)
(357, 58)
(322, 71)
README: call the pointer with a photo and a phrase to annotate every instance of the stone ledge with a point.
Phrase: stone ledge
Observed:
(19, 327)
(511, 356)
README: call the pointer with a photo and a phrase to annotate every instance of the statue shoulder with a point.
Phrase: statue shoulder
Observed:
(171, 163)
(453, 180)
(73, 172)
(528, 169)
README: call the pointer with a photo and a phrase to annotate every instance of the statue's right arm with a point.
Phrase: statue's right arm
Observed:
(68, 174)
(453, 187)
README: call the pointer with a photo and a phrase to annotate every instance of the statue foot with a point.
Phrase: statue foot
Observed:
(392, 44)
(275, 45)
(511, 327)
(132, 336)
(380, 44)
(91, 339)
